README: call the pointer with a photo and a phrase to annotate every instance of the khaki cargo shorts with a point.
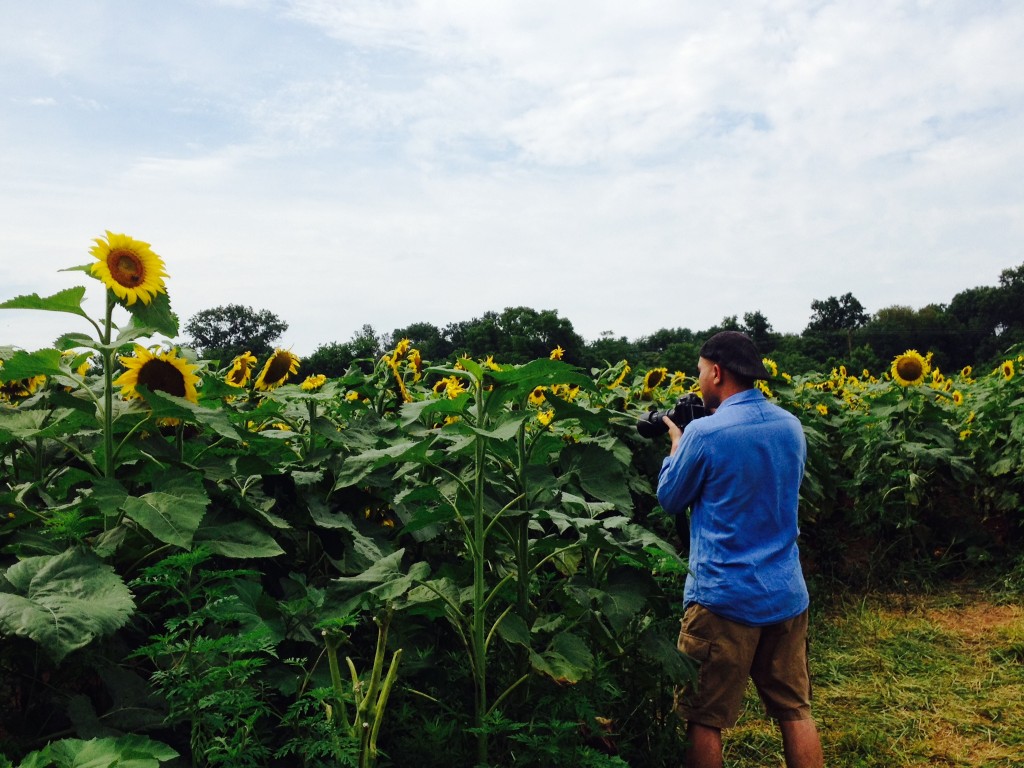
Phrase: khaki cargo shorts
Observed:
(774, 657)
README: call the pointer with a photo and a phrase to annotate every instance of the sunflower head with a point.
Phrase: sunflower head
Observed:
(313, 383)
(557, 353)
(623, 373)
(15, 389)
(654, 377)
(537, 396)
(241, 370)
(958, 397)
(401, 350)
(1006, 369)
(128, 268)
(279, 366)
(910, 368)
(416, 363)
(159, 372)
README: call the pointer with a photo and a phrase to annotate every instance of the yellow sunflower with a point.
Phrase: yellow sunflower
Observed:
(654, 378)
(537, 396)
(1007, 369)
(18, 388)
(128, 268)
(241, 370)
(958, 397)
(403, 393)
(401, 350)
(909, 369)
(159, 372)
(450, 385)
(277, 369)
(822, 409)
(416, 362)
(966, 372)
(545, 416)
(621, 377)
(557, 352)
(771, 365)
(313, 383)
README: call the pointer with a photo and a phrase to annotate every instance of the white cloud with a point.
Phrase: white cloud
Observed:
(632, 166)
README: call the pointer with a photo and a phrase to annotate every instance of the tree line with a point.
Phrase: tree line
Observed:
(976, 327)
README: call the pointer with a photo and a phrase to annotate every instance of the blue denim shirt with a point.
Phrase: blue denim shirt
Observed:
(740, 470)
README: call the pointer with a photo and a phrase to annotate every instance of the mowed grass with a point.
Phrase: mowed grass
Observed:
(907, 680)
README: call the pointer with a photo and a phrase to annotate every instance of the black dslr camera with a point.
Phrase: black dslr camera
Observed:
(688, 408)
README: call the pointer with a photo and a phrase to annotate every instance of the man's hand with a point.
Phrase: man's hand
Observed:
(674, 432)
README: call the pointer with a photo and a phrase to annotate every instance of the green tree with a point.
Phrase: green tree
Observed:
(893, 330)
(757, 327)
(430, 340)
(835, 319)
(517, 335)
(335, 358)
(222, 333)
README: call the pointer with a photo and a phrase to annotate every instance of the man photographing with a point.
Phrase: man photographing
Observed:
(739, 472)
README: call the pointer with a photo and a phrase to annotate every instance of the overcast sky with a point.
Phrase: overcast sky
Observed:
(633, 165)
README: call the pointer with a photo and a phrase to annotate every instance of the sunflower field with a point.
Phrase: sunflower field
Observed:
(244, 563)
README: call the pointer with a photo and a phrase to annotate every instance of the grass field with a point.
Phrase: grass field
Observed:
(908, 680)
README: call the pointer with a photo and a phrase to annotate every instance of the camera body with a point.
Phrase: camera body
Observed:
(688, 408)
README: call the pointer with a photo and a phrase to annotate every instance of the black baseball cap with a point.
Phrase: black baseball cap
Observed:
(736, 352)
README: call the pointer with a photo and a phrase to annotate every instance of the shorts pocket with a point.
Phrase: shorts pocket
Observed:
(698, 650)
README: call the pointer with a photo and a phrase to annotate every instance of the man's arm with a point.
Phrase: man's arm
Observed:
(682, 472)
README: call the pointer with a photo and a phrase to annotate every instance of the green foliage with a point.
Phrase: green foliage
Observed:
(466, 556)
(208, 662)
(121, 752)
(62, 601)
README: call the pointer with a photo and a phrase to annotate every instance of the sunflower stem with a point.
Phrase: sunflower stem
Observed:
(311, 404)
(108, 387)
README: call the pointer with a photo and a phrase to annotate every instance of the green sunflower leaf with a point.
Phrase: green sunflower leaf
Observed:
(63, 601)
(22, 365)
(240, 539)
(129, 751)
(168, 406)
(566, 660)
(173, 513)
(69, 300)
(157, 315)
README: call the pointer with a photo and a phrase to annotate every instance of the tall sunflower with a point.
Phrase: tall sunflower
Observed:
(159, 372)
(277, 369)
(128, 268)
(241, 370)
(910, 368)
(1006, 369)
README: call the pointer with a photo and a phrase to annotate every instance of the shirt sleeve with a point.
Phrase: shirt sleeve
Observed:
(682, 474)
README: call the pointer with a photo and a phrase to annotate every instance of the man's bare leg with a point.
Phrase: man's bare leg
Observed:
(705, 747)
(801, 744)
